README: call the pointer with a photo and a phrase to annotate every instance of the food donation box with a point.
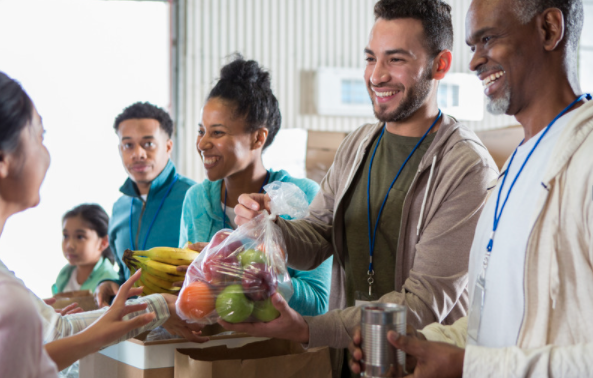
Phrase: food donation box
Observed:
(271, 358)
(138, 358)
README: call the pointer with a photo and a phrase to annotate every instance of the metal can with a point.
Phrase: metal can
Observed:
(380, 358)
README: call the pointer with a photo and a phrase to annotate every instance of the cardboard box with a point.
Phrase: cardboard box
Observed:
(502, 142)
(84, 298)
(321, 149)
(266, 359)
(137, 358)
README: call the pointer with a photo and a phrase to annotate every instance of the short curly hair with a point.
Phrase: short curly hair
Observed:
(145, 110)
(246, 85)
(435, 16)
(572, 11)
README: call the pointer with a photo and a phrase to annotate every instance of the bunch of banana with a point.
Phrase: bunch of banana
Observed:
(159, 267)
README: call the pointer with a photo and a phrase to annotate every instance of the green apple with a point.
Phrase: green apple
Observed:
(265, 310)
(232, 305)
(251, 256)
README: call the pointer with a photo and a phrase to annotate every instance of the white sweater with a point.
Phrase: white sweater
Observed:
(556, 334)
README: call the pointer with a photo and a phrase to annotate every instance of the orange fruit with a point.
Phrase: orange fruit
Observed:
(196, 300)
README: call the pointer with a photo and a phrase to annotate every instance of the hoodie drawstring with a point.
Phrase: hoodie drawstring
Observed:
(434, 160)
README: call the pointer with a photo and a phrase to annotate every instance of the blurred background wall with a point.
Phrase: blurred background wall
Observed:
(83, 61)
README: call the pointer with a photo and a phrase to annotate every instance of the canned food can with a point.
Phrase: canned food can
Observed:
(380, 358)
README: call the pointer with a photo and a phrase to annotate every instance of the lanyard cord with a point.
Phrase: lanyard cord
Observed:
(372, 236)
(497, 214)
(153, 219)
(225, 196)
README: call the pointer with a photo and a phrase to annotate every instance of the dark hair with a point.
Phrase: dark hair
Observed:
(246, 85)
(16, 111)
(98, 221)
(435, 16)
(572, 11)
(145, 110)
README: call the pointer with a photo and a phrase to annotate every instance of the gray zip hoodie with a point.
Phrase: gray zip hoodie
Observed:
(439, 217)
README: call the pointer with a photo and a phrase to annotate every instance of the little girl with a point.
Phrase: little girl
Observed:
(86, 247)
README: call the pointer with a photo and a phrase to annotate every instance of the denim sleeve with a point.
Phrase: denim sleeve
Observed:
(311, 289)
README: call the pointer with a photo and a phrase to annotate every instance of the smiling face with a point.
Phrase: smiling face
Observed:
(223, 142)
(506, 55)
(398, 72)
(145, 149)
(81, 244)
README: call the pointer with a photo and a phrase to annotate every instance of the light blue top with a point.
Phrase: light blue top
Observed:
(102, 271)
(202, 218)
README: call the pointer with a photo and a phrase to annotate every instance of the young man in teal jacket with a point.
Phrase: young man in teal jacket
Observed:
(149, 212)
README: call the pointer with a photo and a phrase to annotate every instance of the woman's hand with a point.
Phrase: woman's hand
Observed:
(68, 310)
(109, 328)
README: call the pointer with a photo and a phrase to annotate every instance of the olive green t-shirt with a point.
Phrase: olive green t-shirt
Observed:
(391, 154)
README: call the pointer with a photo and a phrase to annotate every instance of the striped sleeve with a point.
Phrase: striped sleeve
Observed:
(56, 326)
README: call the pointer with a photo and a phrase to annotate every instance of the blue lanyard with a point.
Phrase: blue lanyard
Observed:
(225, 195)
(498, 214)
(372, 236)
(153, 219)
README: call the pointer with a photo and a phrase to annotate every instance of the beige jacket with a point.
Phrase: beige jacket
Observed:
(439, 217)
(556, 336)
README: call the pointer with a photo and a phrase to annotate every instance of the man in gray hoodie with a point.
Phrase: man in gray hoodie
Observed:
(399, 205)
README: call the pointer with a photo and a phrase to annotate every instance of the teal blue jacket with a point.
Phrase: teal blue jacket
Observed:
(102, 271)
(165, 223)
(202, 218)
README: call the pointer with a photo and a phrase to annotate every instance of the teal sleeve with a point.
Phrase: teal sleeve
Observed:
(185, 222)
(112, 235)
(311, 289)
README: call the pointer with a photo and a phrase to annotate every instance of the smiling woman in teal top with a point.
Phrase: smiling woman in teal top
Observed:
(239, 120)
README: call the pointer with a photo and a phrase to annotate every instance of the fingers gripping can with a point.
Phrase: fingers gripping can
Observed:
(380, 358)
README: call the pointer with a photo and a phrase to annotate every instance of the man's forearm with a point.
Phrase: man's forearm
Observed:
(308, 243)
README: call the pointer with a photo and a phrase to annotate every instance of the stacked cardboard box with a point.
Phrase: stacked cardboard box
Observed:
(224, 353)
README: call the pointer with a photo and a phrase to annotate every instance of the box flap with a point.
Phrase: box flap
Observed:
(262, 349)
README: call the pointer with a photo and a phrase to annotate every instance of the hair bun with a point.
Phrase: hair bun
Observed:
(245, 72)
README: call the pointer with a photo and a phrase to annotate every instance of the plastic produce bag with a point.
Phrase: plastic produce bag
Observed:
(238, 271)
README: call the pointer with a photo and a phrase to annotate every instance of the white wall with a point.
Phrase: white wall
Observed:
(81, 62)
(586, 53)
(290, 38)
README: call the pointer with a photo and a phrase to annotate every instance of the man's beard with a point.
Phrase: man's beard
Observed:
(499, 105)
(416, 96)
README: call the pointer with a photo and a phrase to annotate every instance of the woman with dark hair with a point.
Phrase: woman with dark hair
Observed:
(24, 319)
(85, 244)
(240, 119)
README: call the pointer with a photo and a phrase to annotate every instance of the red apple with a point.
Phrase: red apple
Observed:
(258, 282)
(222, 265)
(219, 237)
